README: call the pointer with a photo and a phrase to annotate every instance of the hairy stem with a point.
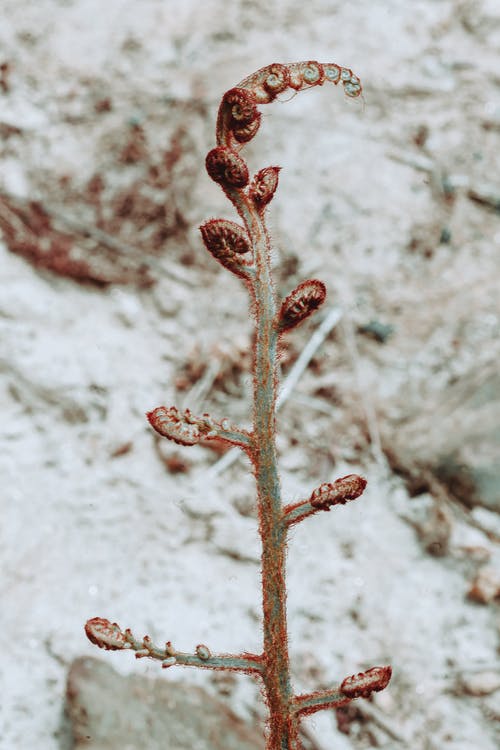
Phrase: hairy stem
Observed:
(283, 726)
(283, 719)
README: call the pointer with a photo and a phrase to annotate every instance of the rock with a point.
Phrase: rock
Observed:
(481, 683)
(109, 711)
(450, 440)
(487, 520)
(376, 330)
(491, 707)
(433, 523)
(486, 586)
(436, 531)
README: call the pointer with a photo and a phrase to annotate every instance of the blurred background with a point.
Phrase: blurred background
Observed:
(110, 306)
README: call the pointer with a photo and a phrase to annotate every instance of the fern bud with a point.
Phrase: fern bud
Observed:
(106, 634)
(227, 242)
(309, 73)
(264, 186)
(277, 78)
(221, 237)
(174, 425)
(240, 105)
(245, 133)
(168, 662)
(226, 168)
(339, 492)
(363, 684)
(203, 652)
(240, 114)
(300, 303)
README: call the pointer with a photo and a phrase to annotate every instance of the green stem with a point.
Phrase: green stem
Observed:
(247, 663)
(327, 699)
(283, 720)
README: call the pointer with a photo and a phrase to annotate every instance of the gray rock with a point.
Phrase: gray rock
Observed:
(451, 440)
(109, 711)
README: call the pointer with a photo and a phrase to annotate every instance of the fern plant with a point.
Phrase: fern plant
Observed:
(245, 250)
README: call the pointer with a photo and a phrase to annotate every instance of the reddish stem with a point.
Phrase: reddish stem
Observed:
(283, 723)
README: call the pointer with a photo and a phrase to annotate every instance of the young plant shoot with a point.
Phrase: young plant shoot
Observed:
(245, 250)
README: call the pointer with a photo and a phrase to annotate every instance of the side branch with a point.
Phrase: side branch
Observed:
(111, 637)
(325, 699)
(340, 492)
(360, 685)
(186, 429)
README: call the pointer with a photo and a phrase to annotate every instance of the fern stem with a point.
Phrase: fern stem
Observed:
(283, 724)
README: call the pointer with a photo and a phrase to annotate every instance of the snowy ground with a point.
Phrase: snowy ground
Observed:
(375, 199)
